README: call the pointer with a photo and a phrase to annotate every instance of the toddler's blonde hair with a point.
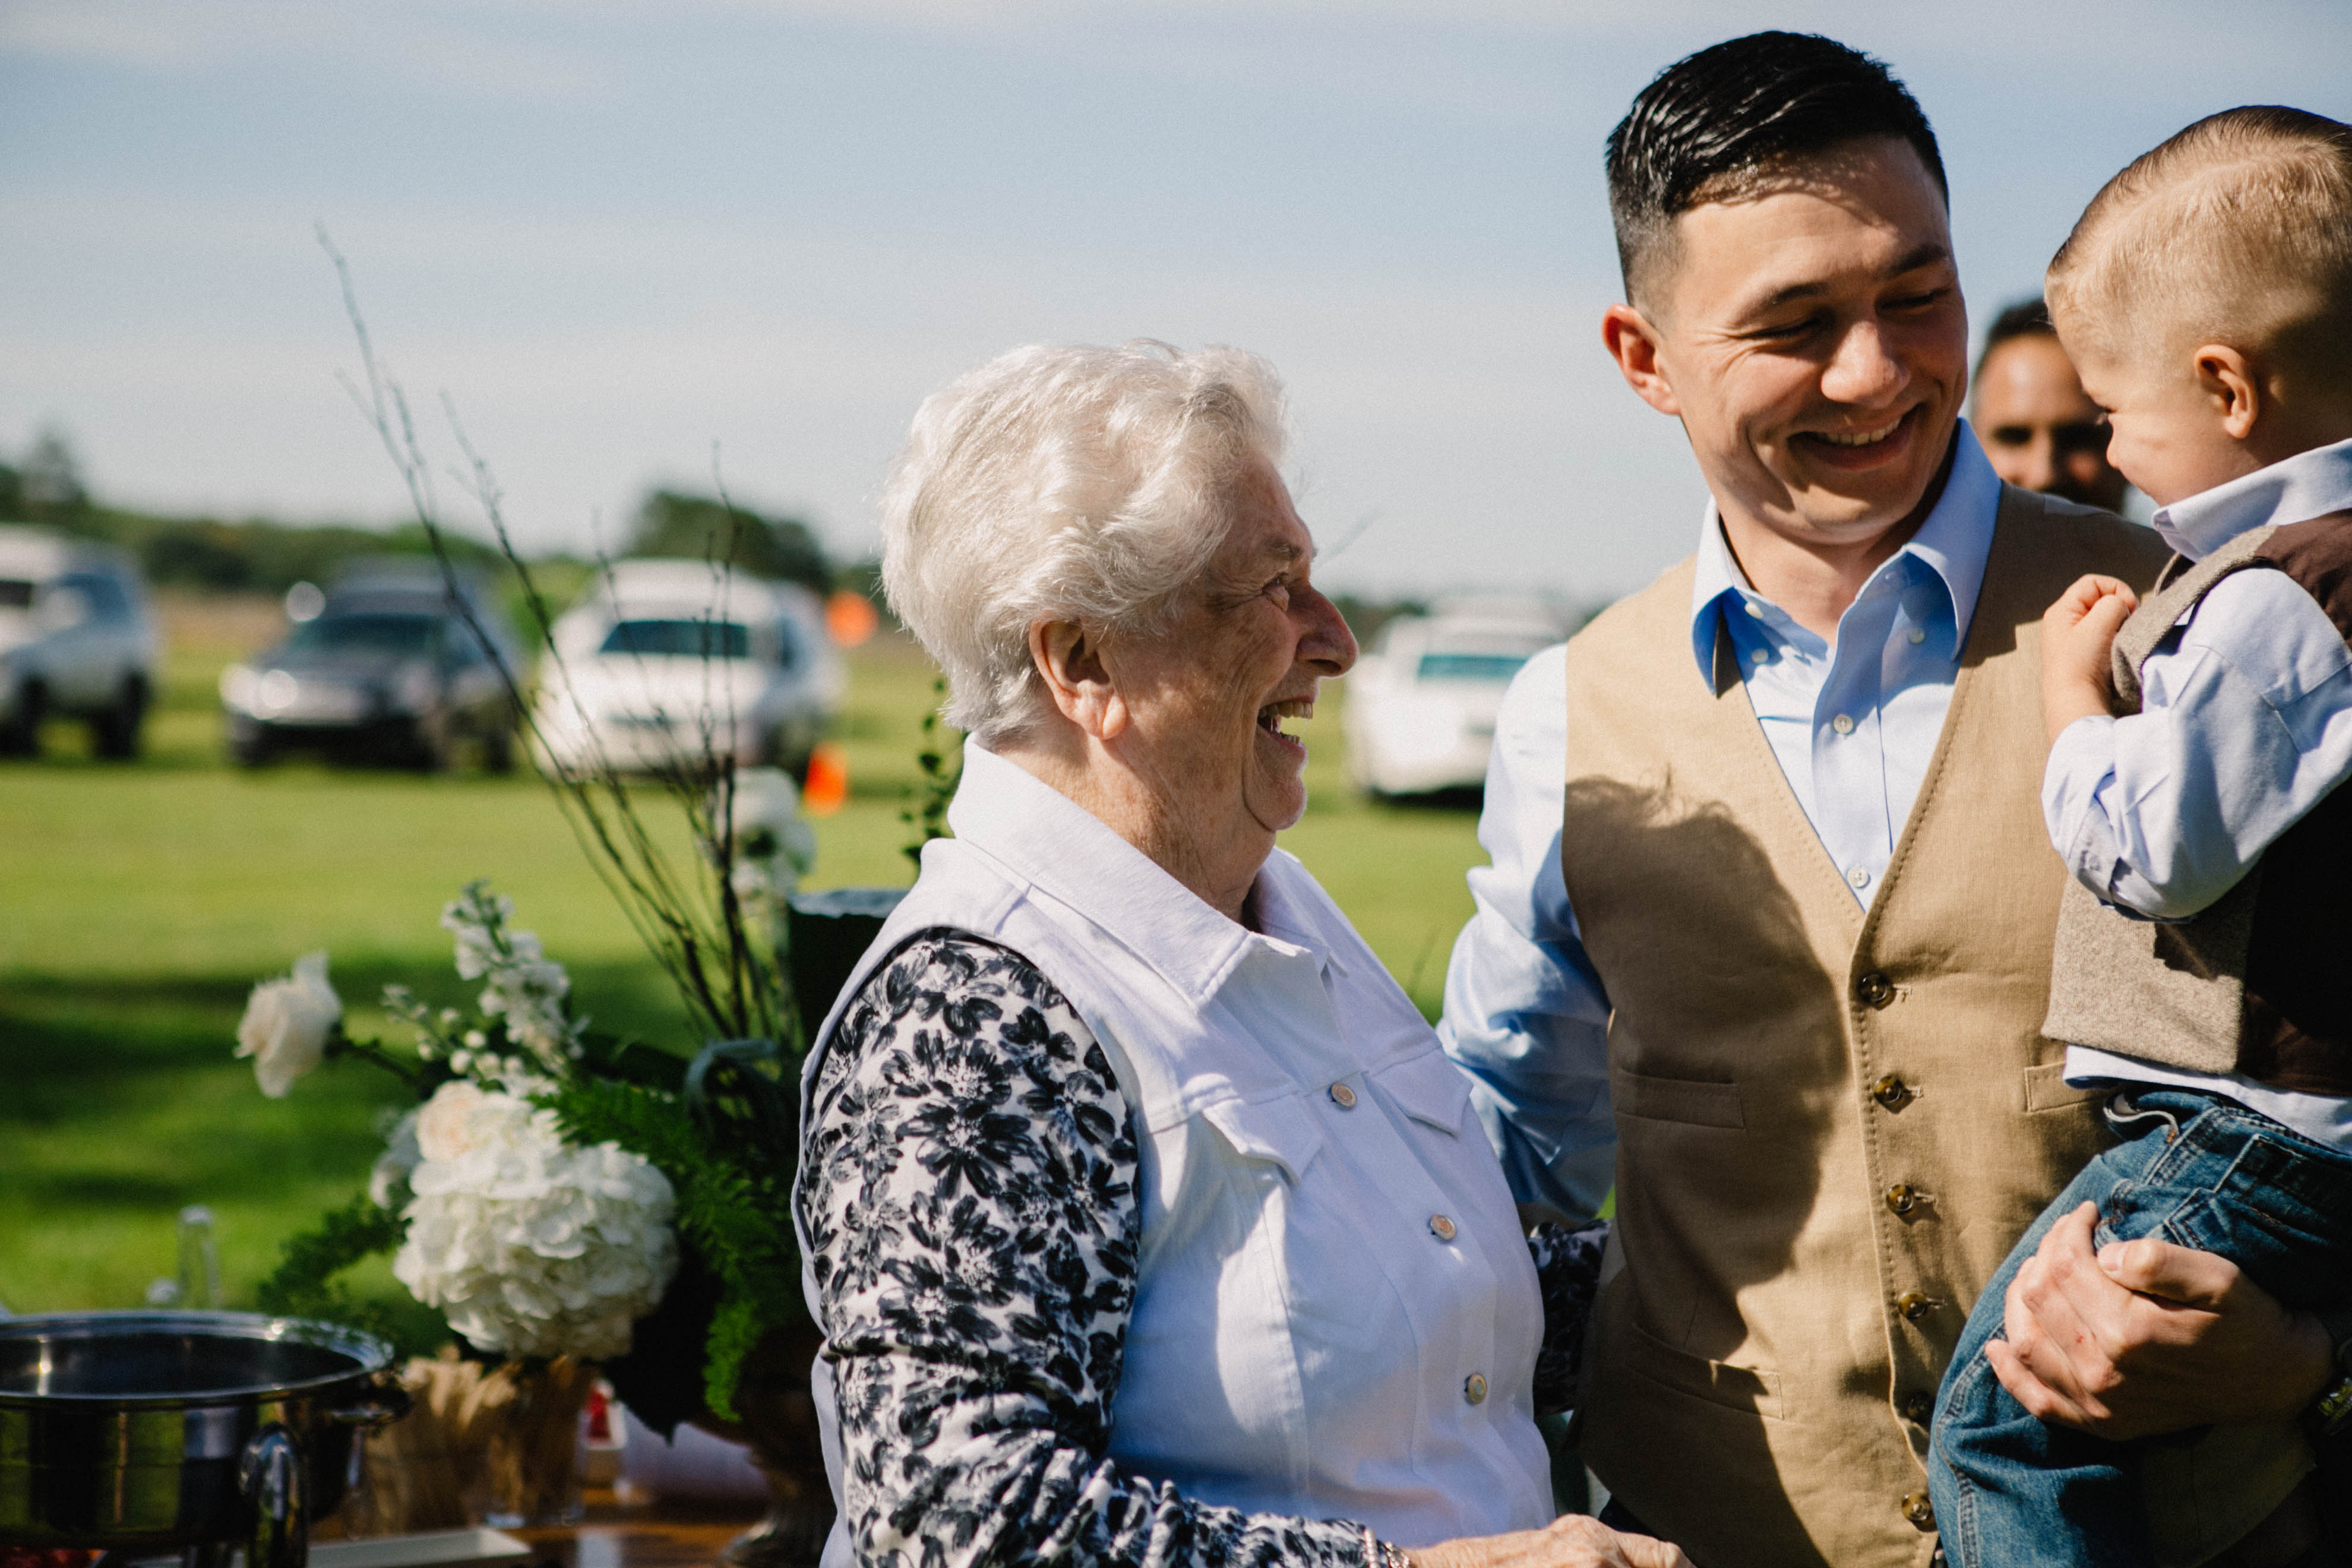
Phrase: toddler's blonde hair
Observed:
(2237, 231)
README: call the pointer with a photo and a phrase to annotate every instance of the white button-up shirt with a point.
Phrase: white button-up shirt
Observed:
(1854, 725)
(1336, 1314)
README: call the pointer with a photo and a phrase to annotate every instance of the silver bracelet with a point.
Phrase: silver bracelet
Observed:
(1378, 1554)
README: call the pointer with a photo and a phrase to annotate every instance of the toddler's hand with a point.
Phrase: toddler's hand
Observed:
(2076, 634)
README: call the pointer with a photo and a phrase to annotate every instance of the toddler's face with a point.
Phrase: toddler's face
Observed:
(2165, 430)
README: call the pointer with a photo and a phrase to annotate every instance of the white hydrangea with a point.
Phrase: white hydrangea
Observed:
(520, 983)
(531, 1247)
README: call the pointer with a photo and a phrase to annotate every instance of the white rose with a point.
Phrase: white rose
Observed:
(286, 1022)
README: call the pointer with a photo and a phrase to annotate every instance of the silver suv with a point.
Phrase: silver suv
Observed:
(76, 640)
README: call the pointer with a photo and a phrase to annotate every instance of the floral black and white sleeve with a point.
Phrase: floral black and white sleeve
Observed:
(969, 1188)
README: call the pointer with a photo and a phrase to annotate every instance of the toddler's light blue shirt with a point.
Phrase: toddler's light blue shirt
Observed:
(2245, 724)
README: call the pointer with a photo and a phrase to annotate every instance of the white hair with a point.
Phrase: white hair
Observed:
(1080, 484)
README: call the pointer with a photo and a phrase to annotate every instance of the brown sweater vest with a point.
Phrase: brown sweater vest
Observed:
(2260, 982)
(1832, 1122)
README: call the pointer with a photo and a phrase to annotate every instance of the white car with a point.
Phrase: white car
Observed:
(663, 661)
(76, 639)
(1420, 712)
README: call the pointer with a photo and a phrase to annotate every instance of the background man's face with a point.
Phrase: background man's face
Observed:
(1813, 343)
(2040, 427)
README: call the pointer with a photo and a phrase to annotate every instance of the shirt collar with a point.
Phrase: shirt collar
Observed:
(2294, 489)
(1951, 544)
(1058, 847)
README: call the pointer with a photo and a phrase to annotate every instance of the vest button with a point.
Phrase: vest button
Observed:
(1912, 1304)
(1474, 1388)
(1442, 1226)
(1903, 1197)
(1918, 1409)
(1919, 1510)
(1890, 1092)
(1343, 1097)
(1873, 990)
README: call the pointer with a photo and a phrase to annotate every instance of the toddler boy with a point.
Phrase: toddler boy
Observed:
(2203, 967)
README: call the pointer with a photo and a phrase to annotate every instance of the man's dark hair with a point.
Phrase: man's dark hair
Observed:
(2025, 319)
(1739, 108)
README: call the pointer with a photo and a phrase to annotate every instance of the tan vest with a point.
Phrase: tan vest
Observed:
(1833, 1123)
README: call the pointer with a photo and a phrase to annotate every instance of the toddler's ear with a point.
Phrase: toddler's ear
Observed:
(2231, 387)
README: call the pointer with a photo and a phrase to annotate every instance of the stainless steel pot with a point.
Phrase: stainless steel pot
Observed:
(147, 1432)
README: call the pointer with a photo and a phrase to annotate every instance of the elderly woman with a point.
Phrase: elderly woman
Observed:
(1144, 1220)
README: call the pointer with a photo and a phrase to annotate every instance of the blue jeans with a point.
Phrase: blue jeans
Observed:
(2197, 1170)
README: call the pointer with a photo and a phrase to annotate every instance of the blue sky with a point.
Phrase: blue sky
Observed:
(620, 235)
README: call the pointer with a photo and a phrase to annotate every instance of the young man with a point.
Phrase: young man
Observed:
(2040, 429)
(1795, 925)
(2207, 294)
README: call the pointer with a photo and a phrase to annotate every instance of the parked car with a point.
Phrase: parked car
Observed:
(385, 666)
(1420, 713)
(664, 660)
(76, 639)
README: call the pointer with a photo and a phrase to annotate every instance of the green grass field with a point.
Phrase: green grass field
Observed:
(138, 904)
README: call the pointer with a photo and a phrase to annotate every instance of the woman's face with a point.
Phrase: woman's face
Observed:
(1245, 650)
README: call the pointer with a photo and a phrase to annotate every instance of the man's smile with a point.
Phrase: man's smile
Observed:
(1854, 450)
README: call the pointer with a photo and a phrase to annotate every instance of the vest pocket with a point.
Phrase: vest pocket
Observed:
(1753, 1390)
(2046, 1088)
(1677, 1100)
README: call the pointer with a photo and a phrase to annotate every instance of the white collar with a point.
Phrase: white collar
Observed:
(2294, 490)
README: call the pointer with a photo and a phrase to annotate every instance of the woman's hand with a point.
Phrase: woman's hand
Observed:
(1572, 1541)
(2076, 632)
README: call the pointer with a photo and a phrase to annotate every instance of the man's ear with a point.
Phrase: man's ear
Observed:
(2233, 388)
(1635, 344)
(1068, 658)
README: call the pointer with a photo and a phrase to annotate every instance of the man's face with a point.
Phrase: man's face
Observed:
(1811, 337)
(2040, 427)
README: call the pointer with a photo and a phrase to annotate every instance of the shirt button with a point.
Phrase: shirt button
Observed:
(1843, 724)
(1858, 876)
(1443, 1228)
(1903, 1197)
(1474, 1388)
(1919, 1511)
(1915, 635)
(1343, 1097)
(1913, 1306)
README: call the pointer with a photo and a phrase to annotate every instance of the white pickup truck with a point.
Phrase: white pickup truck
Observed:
(76, 640)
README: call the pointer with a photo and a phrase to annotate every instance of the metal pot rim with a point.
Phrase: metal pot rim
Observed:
(371, 1356)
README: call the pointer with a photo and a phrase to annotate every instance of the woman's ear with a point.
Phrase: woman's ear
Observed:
(1069, 658)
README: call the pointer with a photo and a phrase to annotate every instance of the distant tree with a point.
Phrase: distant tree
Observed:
(48, 483)
(702, 528)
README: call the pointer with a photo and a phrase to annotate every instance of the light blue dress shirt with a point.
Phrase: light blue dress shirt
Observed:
(1854, 725)
(2245, 724)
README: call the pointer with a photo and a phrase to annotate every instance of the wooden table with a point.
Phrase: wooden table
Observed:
(644, 1535)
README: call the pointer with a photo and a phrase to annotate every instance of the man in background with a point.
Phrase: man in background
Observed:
(2038, 426)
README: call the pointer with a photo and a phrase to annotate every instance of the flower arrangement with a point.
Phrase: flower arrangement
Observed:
(541, 1194)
